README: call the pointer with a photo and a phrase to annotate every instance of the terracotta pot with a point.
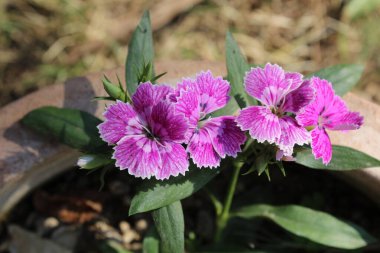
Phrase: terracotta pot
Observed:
(27, 160)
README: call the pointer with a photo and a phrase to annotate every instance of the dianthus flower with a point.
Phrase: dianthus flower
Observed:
(209, 139)
(147, 134)
(281, 94)
(327, 111)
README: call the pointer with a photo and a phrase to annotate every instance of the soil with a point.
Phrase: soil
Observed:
(75, 213)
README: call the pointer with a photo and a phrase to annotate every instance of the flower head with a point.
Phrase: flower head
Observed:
(209, 139)
(327, 111)
(148, 134)
(281, 94)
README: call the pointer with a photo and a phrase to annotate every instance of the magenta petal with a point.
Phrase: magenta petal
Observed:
(226, 136)
(294, 79)
(139, 155)
(120, 120)
(262, 124)
(166, 124)
(202, 151)
(174, 160)
(148, 95)
(299, 98)
(212, 92)
(291, 134)
(321, 145)
(188, 105)
(347, 121)
(268, 85)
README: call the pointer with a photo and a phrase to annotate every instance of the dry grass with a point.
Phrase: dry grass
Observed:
(44, 41)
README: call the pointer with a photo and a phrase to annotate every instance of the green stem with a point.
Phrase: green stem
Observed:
(223, 217)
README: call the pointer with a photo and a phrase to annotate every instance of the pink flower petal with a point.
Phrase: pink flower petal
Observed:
(268, 85)
(295, 80)
(148, 95)
(120, 120)
(299, 98)
(139, 155)
(174, 160)
(188, 105)
(262, 124)
(225, 135)
(321, 145)
(291, 134)
(348, 121)
(166, 124)
(212, 92)
(202, 151)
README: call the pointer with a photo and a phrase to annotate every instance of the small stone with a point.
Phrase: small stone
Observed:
(50, 223)
(141, 225)
(124, 227)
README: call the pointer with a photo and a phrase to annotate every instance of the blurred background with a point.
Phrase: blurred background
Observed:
(47, 41)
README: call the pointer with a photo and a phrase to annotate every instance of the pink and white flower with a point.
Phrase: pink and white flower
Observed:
(148, 134)
(280, 94)
(327, 111)
(209, 139)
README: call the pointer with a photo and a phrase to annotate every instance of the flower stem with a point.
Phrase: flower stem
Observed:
(222, 219)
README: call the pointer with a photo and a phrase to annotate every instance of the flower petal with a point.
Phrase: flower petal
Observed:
(174, 160)
(225, 135)
(212, 92)
(347, 121)
(262, 124)
(298, 98)
(188, 105)
(268, 85)
(139, 155)
(148, 95)
(166, 124)
(202, 151)
(321, 145)
(121, 120)
(291, 134)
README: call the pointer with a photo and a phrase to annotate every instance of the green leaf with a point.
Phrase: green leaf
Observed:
(93, 161)
(170, 226)
(153, 194)
(314, 225)
(343, 77)
(75, 128)
(151, 242)
(237, 66)
(343, 158)
(358, 8)
(140, 53)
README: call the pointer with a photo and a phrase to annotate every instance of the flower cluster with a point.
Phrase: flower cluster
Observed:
(289, 107)
(163, 127)
(150, 134)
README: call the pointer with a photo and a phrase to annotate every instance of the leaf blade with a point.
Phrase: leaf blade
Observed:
(314, 225)
(170, 226)
(154, 194)
(344, 158)
(140, 52)
(75, 128)
(343, 76)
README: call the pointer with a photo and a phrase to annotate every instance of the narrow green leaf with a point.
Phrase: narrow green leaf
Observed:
(343, 158)
(151, 242)
(343, 77)
(170, 226)
(314, 225)
(93, 161)
(153, 194)
(75, 128)
(237, 66)
(140, 52)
